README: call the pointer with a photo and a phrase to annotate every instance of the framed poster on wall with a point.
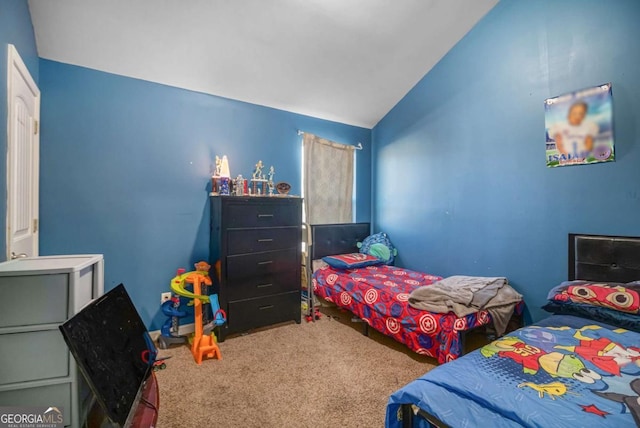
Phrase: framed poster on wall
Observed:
(579, 127)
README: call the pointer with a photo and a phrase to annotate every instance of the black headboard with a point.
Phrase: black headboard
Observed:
(604, 258)
(331, 239)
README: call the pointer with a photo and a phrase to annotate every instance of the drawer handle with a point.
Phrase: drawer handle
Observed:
(262, 308)
(265, 240)
(268, 262)
(265, 215)
(264, 285)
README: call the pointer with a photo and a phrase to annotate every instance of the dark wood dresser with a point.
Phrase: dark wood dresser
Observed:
(256, 251)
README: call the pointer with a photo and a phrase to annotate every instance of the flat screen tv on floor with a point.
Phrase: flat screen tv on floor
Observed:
(110, 345)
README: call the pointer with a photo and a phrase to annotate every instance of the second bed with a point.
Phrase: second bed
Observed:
(378, 295)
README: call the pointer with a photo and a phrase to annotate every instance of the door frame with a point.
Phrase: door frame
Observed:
(15, 63)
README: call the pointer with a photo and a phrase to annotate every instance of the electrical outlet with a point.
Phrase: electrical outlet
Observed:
(165, 296)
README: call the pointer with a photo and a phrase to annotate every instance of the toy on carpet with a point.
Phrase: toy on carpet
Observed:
(160, 364)
(169, 331)
(203, 343)
(316, 315)
(150, 355)
(379, 245)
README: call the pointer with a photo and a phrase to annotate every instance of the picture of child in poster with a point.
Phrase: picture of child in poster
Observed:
(579, 127)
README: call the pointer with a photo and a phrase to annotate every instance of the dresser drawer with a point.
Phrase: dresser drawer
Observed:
(253, 313)
(257, 240)
(33, 355)
(239, 215)
(46, 297)
(263, 285)
(260, 264)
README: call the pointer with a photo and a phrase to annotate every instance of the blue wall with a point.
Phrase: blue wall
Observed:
(126, 166)
(460, 181)
(15, 29)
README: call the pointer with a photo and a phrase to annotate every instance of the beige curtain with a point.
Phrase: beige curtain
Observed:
(328, 181)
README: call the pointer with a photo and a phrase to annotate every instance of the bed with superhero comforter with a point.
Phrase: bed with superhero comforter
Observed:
(379, 295)
(578, 368)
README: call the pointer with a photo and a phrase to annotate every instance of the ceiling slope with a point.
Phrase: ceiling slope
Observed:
(349, 61)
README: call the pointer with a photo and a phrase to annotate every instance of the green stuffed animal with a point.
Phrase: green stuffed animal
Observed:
(379, 245)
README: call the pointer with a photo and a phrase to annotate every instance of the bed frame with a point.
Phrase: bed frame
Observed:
(331, 239)
(604, 258)
(591, 258)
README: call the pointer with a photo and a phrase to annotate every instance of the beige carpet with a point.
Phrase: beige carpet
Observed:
(322, 374)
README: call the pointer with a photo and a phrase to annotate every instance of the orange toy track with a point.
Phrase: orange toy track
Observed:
(202, 345)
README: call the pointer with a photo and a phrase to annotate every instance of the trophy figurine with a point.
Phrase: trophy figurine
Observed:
(272, 173)
(215, 178)
(257, 172)
(258, 179)
(218, 166)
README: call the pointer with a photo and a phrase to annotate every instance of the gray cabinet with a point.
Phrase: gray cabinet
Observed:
(36, 368)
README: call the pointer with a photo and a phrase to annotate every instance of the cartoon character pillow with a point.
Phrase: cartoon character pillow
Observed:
(380, 246)
(619, 297)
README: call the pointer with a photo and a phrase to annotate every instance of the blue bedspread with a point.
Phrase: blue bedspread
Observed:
(564, 371)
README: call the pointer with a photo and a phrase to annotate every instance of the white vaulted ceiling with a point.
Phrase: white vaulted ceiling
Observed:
(345, 60)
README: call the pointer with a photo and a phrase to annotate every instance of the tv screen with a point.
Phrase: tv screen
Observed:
(109, 340)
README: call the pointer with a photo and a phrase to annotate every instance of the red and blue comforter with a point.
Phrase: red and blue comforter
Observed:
(379, 296)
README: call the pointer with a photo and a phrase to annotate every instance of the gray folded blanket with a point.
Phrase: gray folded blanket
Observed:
(464, 295)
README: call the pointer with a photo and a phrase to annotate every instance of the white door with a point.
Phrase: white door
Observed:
(23, 159)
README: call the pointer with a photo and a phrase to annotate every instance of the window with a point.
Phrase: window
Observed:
(328, 185)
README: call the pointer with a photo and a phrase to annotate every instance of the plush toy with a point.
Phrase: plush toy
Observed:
(380, 246)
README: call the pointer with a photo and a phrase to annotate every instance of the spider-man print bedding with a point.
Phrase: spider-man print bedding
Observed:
(379, 296)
